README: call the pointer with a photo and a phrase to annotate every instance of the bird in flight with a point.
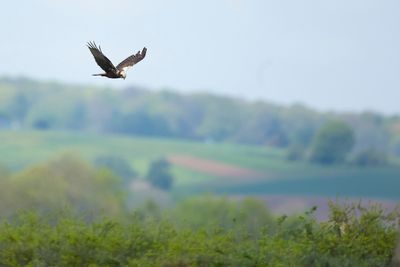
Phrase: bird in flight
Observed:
(110, 70)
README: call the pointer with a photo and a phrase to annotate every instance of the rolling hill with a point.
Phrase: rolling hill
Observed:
(206, 167)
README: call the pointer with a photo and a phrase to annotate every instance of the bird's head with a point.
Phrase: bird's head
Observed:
(123, 74)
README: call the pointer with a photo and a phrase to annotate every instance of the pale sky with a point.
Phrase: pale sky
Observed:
(340, 54)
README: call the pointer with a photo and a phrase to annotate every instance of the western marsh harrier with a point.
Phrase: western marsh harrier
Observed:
(110, 70)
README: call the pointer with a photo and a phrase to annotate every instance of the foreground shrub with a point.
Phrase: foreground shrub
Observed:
(353, 236)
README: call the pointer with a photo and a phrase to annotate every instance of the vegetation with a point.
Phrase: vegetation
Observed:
(352, 236)
(21, 149)
(159, 174)
(65, 182)
(57, 209)
(370, 157)
(78, 215)
(332, 143)
(118, 165)
(28, 104)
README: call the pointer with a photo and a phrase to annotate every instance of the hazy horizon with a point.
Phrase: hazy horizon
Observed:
(340, 56)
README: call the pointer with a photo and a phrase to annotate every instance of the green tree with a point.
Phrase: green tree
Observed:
(159, 174)
(370, 157)
(117, 165)
(332, 143)
(296, 152)
(19, 106)
(64, 182)
(206, 212)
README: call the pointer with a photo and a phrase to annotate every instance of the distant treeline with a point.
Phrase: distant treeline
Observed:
(26, 103)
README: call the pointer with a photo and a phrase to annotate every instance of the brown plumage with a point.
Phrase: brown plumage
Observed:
(110, 70)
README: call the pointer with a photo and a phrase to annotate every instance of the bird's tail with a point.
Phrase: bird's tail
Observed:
(99, 74)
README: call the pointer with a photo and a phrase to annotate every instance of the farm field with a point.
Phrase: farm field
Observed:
(200, 167)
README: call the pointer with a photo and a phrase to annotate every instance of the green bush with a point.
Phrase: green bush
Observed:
(370, 157)
(248, 214)
(332, 143)
(353, 236)
(117, 165)
(97, 230)
(296, 152)
(65, 182)
(159, 174)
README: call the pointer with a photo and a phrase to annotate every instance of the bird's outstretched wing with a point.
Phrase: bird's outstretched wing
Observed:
(100, 58)
(132, 60)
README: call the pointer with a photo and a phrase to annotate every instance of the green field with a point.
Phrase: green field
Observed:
(19, 149)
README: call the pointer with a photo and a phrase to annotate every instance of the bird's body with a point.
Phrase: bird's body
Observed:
(110, 70)
(112, 75)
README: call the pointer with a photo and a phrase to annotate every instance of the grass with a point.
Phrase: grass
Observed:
(24, 148)
(367, 185)
(19, 149)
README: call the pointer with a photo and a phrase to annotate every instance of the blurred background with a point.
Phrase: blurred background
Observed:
(293, 103)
